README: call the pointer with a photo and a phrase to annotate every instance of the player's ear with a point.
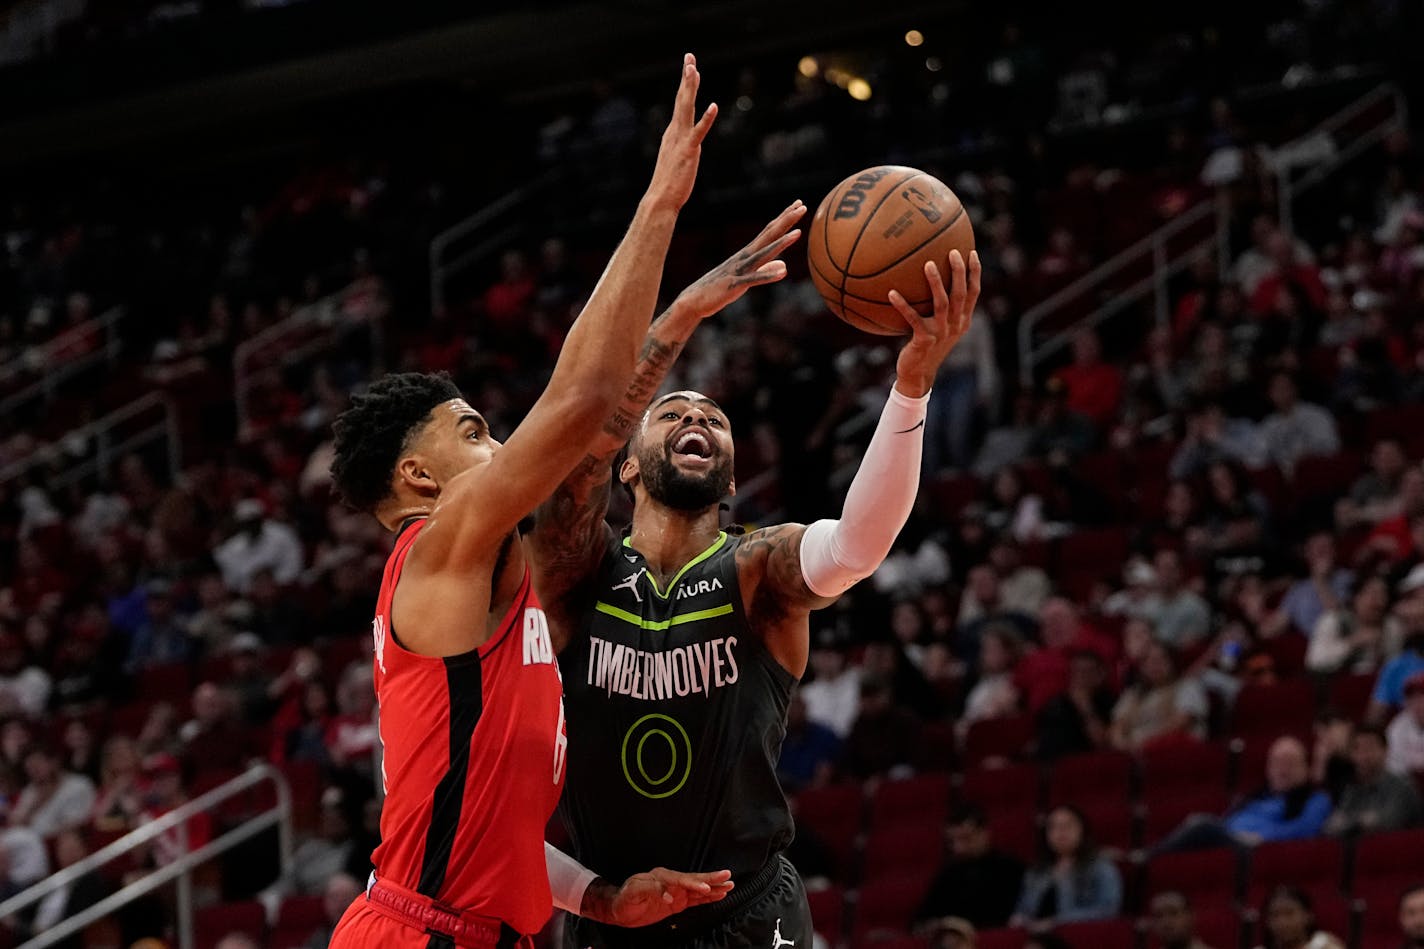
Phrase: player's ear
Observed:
(628, 471)
(732, 488)
(415, 474)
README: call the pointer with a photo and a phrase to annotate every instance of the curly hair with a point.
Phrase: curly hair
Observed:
(372, 433)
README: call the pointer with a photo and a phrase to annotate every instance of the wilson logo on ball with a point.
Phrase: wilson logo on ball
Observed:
(851, 201)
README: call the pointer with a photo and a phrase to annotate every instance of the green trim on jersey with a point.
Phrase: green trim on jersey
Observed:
(678, 620)
(716, 546)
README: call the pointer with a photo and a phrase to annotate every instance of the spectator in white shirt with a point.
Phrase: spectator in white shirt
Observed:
(833, 697)
(24, 689)
(54, 800)
(1182, 618)
(1296, 429)
(1406, 732)
(259, 544)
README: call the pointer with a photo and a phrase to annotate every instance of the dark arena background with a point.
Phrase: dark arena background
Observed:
(1146, 665)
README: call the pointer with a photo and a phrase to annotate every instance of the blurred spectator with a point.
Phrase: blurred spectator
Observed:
(212, 740)
(1094, 388)
(165, 793)
(72, 898)
(1077, 720)
(352, 736)
(24, 860)
(981, 607)
(1374, 495)
(1179, 615)
(1172, 923)
(1411, 917)
(260, 543)
(237, 941)
(53, 800)
(1331, 764)
(1357, 639)
(1287, 271)
(885, 736)
(1012, 510)
(1375, 800)
(1212, 437)
(1389, 687)
(1288, 922)
(318, 858)
(1406, 732)
(808, 752)
(337, 896)
(1288, 808)
(977, 881)
(1321, 591)
(917, 562)
(80, 754)
(832, 696)
(1072, 882)
(968, 379)
(1060, 429)
(24, 686)
(1043, 673)
(1159, 704)
(1296, 429)
(995, 694)
(250, 684)
(120, 797)
(953, 932)
(163, 637)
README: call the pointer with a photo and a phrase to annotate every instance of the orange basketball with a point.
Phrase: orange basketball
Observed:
(873, 233)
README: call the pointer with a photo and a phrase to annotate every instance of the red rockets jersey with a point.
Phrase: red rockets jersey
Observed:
(474, 750)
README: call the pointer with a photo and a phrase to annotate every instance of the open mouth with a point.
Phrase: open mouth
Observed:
(692, 445)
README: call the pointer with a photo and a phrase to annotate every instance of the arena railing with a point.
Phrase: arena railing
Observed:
(94, 448)
(180, 870)
(52, 373)
(312, 330)
(1048, 327)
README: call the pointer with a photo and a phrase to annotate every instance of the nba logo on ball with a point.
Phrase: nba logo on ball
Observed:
(873, 233)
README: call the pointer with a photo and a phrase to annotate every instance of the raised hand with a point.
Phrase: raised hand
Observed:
(934, 337)
(681, 147)
(753, 265)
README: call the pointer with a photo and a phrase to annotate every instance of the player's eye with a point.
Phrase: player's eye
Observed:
(714, 420)
(669, 415)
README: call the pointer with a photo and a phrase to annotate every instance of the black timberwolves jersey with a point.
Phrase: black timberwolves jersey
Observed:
(676, 714)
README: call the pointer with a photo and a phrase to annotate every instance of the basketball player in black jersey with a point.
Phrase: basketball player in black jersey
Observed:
(680, 644)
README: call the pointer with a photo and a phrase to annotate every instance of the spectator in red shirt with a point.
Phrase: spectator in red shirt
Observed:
(165, 793)
(1094, 387)
(507, 302)
(1287, 268)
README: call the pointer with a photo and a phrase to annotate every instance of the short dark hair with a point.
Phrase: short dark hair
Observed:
(1409, 891)
(372, 433)
(1374, 731)
(971, 814)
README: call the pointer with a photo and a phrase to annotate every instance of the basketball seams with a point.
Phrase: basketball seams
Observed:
(830, 281)
(909, 253)
(850, 258)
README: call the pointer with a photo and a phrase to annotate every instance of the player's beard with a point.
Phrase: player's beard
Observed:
(681, 490)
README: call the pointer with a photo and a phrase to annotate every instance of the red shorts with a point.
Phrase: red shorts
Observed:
(409, 921)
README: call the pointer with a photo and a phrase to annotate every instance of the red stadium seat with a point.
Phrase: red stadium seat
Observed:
(299, 911)
(1271, 710)
(1102, 548)
(919, 800)
(1185, 765)
(1164, 811)
(828, 912)
(1111, 821)
(834, 816)
(937, 745)
(1379, 923)
(903, 849)
(1002, 939)
(1309, 864)
(1077, 779)
(1208, 875)
(888, 905)
(1385, 862)
(211, 923)
(1015, 832)
(1218, 924)
(170, 682)
(1013, 787)
(950, 495)
(998, 738)
(1099, 934)
(1350, 694)
(1325, 476)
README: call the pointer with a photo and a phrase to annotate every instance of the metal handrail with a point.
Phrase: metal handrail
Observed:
(279, 816)
(441, 269)
(1031, 355)
(106, 449)
(45, 385)
(319, 314)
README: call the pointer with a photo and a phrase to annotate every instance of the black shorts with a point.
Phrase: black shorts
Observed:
(767, 911)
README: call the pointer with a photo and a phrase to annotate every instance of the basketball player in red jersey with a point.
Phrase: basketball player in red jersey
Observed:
(471, 714)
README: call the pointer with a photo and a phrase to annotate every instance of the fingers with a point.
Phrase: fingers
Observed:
(958, 288)
(704, 124)
(686, 102)
(912, 318)
(774, 249)
(971, 299)
(780, 223)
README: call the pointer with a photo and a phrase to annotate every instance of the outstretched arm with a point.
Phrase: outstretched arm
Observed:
(789, 570)
(569, 533)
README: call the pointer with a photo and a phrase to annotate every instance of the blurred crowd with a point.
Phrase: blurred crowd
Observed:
(1186, 534)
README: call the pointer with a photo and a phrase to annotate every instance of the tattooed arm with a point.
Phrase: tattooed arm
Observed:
(570, 534)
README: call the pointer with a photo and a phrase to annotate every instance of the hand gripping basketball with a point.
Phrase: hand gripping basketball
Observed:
(681, 147)
(935, 336)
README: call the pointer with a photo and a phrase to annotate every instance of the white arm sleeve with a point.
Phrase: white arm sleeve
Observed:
(837, 554)
(568, 879)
